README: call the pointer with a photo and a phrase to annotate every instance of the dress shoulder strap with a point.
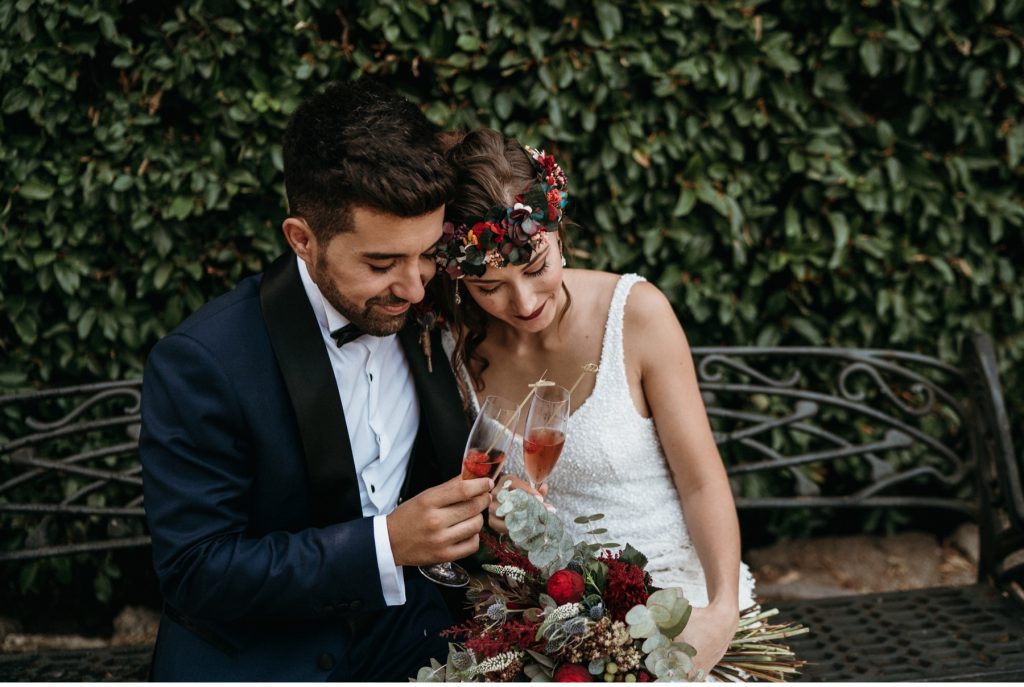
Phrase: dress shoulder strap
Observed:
(613, 359)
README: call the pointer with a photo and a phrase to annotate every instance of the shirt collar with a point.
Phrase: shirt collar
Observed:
(327, 316)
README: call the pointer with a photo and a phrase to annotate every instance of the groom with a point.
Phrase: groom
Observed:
(299, 457)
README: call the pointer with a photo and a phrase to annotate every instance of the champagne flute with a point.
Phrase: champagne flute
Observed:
(488, 444)
(544, 434)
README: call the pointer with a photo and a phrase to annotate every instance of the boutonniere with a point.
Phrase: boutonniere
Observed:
(428, 318)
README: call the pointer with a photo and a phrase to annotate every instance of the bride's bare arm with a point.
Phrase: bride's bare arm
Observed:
(660, 365)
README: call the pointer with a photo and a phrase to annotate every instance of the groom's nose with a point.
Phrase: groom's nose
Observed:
(409, 282)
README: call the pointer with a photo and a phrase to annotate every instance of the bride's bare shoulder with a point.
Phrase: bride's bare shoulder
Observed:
(591, 288)
(649, 310)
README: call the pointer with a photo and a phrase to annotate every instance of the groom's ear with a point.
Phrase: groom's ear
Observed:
(300, 237)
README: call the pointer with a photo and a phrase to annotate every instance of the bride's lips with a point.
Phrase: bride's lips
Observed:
(536, 313)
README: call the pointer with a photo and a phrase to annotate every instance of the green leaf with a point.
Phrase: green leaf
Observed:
(631, 555)
(67, 277)
(86, 323)
(26, 326)
(228, 25)
(35, 190)
(842, 37)
(468, 42)
(904, 39)
(459, 60)
(944, 269)
(180, 208)
(503, 105)
(807, 330)
(871, 55)
(16, 99)
(841, 236)
(162, 274)
(609, 19)
(686, 202)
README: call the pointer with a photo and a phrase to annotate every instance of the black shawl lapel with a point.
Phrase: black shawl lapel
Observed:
(440, 412)
(309, 378)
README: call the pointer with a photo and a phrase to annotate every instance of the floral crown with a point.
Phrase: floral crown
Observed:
(507, 235)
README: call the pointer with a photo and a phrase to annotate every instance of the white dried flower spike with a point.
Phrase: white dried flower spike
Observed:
(509, 572)
(499, 662)
(563, 612)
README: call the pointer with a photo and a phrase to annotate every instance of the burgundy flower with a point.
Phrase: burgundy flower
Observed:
(565, 586)
(571, 672)
(519, 212)
(626, 586)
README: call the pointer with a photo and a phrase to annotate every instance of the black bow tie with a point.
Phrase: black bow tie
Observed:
(349, 332)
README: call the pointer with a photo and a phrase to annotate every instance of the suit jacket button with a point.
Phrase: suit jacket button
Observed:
(325, 662)
(356, 605)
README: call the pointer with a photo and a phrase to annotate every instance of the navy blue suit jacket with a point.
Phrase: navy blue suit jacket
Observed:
(266, 565)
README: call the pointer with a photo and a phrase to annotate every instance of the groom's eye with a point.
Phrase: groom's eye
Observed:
(382, 269)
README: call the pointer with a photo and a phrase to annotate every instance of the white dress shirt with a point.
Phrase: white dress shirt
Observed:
(382, 414)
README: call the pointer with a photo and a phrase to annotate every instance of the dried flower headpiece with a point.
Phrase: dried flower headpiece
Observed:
(507, 235)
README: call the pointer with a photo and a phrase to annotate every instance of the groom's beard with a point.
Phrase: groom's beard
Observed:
(369, 319)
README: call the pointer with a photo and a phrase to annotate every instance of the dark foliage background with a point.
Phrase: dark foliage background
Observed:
(789, 172)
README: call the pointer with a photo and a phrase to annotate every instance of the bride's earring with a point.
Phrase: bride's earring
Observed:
(564, 261)
(458, 296)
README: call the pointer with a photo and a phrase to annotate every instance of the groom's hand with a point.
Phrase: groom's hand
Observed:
(440, 524)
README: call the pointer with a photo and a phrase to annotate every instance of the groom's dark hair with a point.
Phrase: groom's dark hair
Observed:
(359, 143)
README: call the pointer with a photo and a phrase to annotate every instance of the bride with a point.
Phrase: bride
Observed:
(639, 447)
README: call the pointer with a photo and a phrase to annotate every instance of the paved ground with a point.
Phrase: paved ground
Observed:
(805, 569)
(836, 566)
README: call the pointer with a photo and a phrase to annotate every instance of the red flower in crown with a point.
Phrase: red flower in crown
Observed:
(480, 227)
(547, 162)
(554, 203)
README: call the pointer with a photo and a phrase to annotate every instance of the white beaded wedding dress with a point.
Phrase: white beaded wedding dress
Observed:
(613, 463)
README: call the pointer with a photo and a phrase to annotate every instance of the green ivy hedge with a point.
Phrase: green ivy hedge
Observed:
(789, 172)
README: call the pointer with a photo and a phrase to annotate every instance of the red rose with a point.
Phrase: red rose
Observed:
(643, 676)
(565, 586)
(571, 672)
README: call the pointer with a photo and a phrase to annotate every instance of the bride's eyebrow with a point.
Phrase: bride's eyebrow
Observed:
(530, 264)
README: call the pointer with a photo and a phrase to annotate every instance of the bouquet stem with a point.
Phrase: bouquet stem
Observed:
(752, 653)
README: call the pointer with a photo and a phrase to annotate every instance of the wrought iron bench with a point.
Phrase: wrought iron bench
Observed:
(829, 429)
(854, 429)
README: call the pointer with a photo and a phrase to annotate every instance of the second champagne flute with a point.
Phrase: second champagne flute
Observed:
(544, 434)
(488, 444)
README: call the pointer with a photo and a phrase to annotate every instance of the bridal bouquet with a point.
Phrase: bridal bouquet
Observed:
(555, 609)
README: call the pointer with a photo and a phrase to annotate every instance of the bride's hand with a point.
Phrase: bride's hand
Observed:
(496, 523)
(709, 631)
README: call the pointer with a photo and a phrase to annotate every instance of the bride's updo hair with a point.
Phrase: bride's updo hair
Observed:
(490, 170)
